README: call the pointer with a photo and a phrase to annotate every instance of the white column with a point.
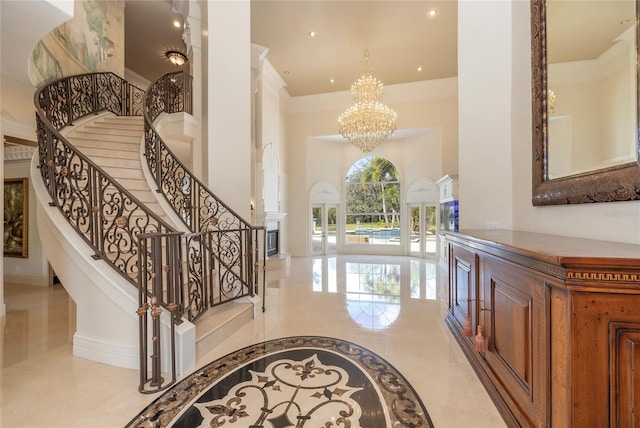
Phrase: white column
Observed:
(485, 75)
(228, 103)
(193, 38)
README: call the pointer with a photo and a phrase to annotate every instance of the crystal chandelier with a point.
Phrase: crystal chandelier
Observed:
(368, 122)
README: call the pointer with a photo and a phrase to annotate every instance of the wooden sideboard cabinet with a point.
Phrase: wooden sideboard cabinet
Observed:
(559, 322)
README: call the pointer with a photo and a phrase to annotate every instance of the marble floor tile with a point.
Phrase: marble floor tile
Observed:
(393, 306)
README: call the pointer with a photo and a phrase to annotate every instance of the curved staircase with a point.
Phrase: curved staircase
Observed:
(98, 168)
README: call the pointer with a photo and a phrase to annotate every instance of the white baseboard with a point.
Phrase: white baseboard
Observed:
(114, 354)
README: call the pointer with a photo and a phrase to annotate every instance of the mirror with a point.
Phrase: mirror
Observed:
(585, 101)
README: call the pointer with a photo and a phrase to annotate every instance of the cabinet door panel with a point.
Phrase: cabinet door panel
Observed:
(514, 312)
(511, 330)
(625, 376)
(463, 284)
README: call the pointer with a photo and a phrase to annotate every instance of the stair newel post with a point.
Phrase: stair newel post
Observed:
(174, 285)
(156, 310)
(143, 306)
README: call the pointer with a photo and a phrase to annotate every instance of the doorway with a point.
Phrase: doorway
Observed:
(323, 229)
(423, 219)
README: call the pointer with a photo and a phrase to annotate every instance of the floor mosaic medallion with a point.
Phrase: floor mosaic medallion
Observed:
(305, 381)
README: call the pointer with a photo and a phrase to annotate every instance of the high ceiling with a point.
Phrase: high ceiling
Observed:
(149, 32)
(398, 35)
(583, 30)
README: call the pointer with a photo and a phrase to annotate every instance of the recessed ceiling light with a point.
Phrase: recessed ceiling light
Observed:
(177, 24)
(312, 34)
(332, 81)
(432, 12)
(286, 72)
(419, 68)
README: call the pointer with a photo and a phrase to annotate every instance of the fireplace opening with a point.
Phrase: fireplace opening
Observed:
(272, 242)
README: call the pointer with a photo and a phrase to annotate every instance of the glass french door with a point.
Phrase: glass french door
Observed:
(422, 230)
(323, 229)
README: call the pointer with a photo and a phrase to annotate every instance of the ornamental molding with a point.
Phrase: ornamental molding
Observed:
(18, 152)
(605, 276)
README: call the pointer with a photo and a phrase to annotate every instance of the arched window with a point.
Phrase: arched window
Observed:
(372, 203)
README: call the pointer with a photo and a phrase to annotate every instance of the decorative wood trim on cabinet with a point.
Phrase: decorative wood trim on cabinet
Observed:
(561, 324)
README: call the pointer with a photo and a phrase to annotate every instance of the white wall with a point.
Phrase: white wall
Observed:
(17, 109)
(484, 110)
(596, 98)
(15, 48)
(312, 157)
(495, 119)
(33, 270)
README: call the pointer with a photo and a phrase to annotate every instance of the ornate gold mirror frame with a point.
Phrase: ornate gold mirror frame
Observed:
(618, 183)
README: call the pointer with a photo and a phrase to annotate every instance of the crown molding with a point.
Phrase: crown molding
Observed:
(18, 152)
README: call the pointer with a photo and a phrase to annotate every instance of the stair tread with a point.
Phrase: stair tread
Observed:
(110, 130)
(93, 152)
(96, 136)
(92, 144)
(218, 315)
(117, 163)
(120, 159)
(128, 120)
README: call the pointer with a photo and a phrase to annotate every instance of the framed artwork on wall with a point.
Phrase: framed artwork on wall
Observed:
(16, 217)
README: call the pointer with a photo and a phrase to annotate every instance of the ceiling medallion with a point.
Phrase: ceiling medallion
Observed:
(368, 122)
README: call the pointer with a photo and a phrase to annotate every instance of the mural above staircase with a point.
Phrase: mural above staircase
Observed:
(93, 40)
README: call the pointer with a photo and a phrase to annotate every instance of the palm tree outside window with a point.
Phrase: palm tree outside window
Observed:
(372, 202)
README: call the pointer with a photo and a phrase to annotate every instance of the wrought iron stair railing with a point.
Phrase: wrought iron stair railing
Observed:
(105, 214)
(174, 270)
(108, 217)
(232, 241)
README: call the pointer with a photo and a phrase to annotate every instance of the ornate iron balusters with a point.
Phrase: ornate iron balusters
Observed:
(160, 282)
(229, 239)
(103, 213)
(123, 232)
